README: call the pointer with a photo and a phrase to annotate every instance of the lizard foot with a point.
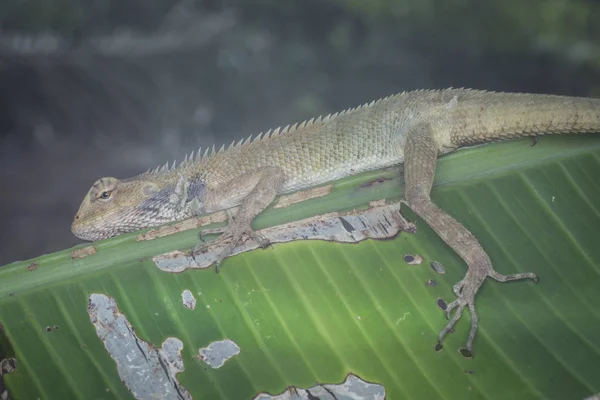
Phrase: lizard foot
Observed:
(465, 291)
(230, 236)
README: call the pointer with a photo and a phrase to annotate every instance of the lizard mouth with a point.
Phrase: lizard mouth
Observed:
(83, 234)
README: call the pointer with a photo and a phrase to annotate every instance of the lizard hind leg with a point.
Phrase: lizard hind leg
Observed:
(420, 158)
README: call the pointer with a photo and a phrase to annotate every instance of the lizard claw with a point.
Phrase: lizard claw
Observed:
(465, 291)
(230, 237)
(459, 304)
(262, 241)
(226, 234)
(213, 231)
(221, 230)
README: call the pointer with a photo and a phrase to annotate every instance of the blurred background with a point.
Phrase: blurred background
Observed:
(113, 87)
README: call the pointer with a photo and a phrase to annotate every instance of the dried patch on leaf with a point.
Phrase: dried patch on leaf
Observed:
(380, 222)
(288, 200)
(441, 304)
(8, 365)
(189, 301)
(377, 203)
(353, 388)
(412, 260)
(217, 353)
(148, 372)
(437, 267)
(83, 252)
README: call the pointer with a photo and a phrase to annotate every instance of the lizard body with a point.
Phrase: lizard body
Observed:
(413, 128)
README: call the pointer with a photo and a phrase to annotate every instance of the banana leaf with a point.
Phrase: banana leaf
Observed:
(102, 321)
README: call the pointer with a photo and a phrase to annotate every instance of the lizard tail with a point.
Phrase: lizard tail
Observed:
(498, 116)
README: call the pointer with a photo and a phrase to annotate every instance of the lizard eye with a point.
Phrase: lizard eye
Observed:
(105, 195)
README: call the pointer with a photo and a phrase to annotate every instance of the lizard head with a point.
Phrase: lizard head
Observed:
(112, 207)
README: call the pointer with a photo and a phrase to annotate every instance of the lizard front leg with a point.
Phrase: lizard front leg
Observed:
(264, 186)
(420, 158)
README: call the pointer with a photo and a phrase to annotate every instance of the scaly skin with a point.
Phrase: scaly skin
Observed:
(413, 128)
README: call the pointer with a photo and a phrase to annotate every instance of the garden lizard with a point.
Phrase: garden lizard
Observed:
(412, 128)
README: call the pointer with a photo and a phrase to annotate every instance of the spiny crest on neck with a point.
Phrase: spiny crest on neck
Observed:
(210, 152)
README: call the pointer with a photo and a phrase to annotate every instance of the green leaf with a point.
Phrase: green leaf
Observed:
(310, 312)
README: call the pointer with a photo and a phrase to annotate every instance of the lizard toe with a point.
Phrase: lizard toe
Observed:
(463, 301)
(450, 307)
(457, 289)
(261, 240)
(212, 231)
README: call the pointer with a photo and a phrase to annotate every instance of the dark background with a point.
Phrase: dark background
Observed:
(113, 87)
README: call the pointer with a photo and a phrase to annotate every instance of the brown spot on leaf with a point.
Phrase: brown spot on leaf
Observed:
(83, 252)
(288, 200)
(442, 304)
(412, 260)
(373, 182)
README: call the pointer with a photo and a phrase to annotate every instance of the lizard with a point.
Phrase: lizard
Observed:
(410, 128)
